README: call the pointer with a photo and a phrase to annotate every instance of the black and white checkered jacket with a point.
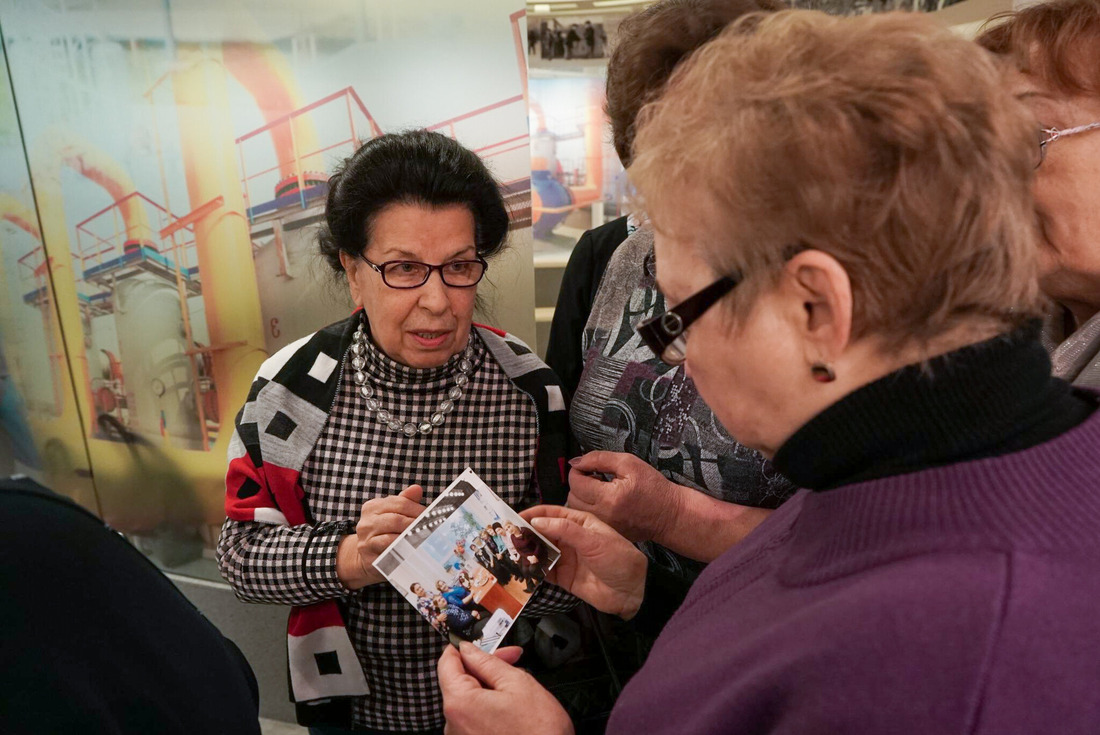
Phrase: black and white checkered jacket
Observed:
(291, 495)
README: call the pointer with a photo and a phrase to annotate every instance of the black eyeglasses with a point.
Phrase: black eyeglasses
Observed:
(413, 274)
(664, 333)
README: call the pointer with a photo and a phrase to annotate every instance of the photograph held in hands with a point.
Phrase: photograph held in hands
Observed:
(468, 564)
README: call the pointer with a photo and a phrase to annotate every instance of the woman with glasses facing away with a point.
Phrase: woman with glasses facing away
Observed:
(349, 431)
(1053, 50)
(845, 236)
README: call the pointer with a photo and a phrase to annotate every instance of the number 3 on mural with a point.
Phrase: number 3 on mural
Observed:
(275, 331)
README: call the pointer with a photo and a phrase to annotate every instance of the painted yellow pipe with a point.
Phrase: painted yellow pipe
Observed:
(64, 147)
(12, 310)
(61, 434)
(223, 246)
(141, 484)
(13, 210)
(263, 70)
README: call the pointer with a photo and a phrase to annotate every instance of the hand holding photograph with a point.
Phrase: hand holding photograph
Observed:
(469, 563)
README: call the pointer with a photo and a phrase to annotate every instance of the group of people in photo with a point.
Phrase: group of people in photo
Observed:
(510, 552)
(503, 553)
(450, 609)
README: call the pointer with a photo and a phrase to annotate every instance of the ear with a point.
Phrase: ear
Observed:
(823, 288)
(351, 270)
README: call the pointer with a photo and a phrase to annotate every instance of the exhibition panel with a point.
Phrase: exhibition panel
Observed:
(179, 156)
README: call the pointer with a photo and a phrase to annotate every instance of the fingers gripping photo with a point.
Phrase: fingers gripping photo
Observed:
(469, 563)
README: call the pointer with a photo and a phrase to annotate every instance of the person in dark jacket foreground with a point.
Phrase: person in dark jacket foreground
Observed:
(96, 640)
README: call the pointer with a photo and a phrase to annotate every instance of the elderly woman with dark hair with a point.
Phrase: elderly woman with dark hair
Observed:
(845, 233)
(406, 390)
(1054, 49)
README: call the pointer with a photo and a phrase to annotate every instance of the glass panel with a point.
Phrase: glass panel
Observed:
(180, 155)
(40, 424)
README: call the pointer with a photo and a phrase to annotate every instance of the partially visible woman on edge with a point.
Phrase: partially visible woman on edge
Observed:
(347, 431)
(1055, 51)
(659, 466)
(851, 197)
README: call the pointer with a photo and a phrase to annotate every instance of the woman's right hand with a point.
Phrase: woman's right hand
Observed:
(597, 564)
(380, 522)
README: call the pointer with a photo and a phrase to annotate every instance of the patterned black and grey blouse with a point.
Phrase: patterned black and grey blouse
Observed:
(493, 430)
(629, 401)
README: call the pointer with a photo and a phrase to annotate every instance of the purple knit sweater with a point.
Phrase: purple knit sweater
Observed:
(956, 599)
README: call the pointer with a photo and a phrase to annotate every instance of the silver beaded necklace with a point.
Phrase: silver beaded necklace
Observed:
(366, 390)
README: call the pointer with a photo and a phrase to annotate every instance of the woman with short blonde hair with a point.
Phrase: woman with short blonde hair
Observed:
(844, 230)
(913, 176)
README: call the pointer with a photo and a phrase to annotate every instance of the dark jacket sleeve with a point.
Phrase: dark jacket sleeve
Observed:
(101, 640)
(563, 350)
(578, 289)
(665, 591)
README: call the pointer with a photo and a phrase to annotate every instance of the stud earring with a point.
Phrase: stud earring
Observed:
(822, 373)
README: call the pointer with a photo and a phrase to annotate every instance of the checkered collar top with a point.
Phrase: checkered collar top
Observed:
(384, 371)
(304, 458)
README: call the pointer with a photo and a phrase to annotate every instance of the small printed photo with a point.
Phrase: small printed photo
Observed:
(469, 563)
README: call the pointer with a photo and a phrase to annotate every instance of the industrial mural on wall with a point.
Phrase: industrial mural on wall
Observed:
(573, 164)
(178, 161)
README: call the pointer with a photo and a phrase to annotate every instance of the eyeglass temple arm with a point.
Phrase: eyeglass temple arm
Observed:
(363, 258)
(1054, 133)
(689, 310)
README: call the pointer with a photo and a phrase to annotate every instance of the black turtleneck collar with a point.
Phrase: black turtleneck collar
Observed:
(987, 399)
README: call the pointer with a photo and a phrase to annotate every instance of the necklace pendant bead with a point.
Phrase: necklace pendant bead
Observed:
(373, 405)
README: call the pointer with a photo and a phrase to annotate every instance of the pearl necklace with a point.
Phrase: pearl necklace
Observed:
(358, 362)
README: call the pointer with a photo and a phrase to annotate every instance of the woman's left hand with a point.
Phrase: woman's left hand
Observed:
(643, 505)
(483, 693)
(637, 501)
